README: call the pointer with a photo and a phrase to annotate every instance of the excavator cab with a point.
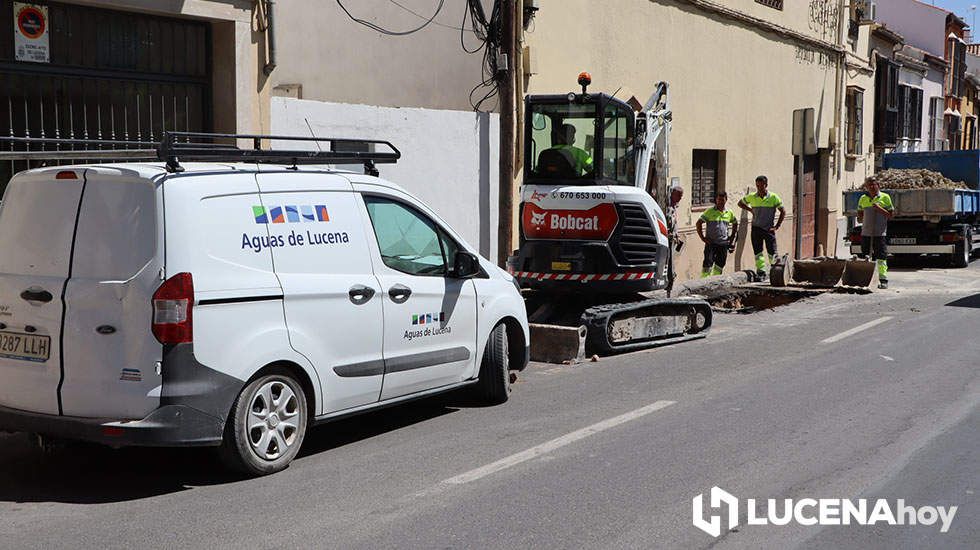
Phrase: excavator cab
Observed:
(579, 139)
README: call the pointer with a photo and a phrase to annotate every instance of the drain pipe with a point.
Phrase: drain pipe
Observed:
(270, 35)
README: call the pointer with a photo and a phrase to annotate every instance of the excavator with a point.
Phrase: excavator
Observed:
(593, 240)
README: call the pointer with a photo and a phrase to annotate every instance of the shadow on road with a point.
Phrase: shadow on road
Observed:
(966, 301)
(81, 473)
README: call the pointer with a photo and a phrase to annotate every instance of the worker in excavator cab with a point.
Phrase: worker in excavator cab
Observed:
(563, 139)
(874, 210)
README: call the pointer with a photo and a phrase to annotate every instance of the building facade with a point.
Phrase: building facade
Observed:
(737, 73)
(132, 69)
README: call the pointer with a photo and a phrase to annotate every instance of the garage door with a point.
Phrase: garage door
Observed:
(106, 74)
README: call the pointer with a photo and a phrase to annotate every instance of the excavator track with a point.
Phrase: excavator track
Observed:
(621, 327)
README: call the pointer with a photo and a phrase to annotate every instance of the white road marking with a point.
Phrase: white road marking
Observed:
(855, 330)
(886, 358)
(554, 444)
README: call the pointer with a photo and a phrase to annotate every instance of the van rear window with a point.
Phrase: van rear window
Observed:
(117, 233)
(37, 219)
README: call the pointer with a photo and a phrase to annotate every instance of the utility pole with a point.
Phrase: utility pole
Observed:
(506, 77)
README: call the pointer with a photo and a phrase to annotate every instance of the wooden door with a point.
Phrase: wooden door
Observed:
(807, 210)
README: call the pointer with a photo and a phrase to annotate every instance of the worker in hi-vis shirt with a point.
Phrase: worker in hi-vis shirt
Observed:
(564, 140)
(763, 206)
(719, 238)
(874, 210)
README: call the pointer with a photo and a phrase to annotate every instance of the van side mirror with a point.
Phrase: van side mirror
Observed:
(465, 265)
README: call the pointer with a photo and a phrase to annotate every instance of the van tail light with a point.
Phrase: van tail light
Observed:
(66, 175)
(172, 308)
(951, 237)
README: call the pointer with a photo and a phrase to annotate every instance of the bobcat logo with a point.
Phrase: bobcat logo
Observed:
(535, 196)
(537, 218)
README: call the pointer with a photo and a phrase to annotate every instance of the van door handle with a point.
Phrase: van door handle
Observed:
(360, 294)
(399, 293)
(34, 294)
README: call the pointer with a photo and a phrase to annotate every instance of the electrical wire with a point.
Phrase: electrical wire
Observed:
(388, 32)
(489, 31)
(436, 23)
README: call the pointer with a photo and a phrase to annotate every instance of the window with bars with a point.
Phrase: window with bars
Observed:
(854, 128)
(909, 113)
(957, 67)
(886, 103)
(705, 176)
(953, 132)
(936, 142)
(775, 4)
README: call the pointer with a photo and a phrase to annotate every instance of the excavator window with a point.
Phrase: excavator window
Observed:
(618, 153)
(563, 140)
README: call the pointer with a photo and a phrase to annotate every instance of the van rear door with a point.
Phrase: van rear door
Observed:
(37, 224)
(110, 354)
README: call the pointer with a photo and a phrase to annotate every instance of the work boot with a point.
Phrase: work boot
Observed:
(883, 284)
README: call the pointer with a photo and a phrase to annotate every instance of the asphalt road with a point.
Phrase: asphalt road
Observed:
(774, 404)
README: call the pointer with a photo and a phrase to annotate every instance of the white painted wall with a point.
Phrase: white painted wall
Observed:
(449, 158)
(922, 25)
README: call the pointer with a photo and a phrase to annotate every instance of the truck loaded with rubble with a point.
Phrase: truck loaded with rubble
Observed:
(937, 204)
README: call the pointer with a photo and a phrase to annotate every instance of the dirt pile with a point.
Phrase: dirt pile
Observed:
(915, 178)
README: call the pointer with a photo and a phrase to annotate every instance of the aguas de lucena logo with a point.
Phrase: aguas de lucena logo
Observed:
(817, 511)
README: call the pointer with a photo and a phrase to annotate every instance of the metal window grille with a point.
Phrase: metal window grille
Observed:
(775, 4)
(855, 121)
(704, 177)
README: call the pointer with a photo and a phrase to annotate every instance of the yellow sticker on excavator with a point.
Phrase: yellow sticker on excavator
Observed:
(561, 266)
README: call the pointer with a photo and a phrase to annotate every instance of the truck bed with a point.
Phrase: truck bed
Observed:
(924, 204)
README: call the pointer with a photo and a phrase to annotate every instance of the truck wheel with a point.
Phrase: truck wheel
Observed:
(267, 425)
(493, 386)
(962, 251)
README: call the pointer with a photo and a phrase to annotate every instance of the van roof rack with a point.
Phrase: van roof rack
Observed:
(187, 146)
(176, 147)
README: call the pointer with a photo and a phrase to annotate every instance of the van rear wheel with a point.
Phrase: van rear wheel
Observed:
(493, 386)
(267, 425)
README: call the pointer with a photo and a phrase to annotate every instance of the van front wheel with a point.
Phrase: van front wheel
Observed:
(493, 386)
(267, 425)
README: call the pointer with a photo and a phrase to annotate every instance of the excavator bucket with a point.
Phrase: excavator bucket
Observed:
(858, 272)
(821, 271)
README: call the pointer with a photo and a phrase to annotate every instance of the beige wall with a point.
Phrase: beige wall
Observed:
(734, 86)
(338, 60)
(332, 58)
(860, 74)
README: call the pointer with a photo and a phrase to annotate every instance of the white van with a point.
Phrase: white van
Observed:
(236, 305)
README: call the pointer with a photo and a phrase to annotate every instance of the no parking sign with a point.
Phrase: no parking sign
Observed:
(31, 33)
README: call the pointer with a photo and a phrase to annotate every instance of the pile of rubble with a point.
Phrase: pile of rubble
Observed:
(915, 179)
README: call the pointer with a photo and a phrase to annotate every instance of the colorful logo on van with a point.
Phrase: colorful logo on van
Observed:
(290, 214)
(429, 318)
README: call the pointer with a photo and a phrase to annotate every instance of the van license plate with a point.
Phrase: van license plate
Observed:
(28, 347)
(561, 266)
(902, 240)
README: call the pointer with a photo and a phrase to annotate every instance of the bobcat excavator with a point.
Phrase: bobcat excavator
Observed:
(592, 238)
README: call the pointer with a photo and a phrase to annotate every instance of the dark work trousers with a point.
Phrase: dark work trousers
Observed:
(715, 255)
(761, 236)
(875, 247)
